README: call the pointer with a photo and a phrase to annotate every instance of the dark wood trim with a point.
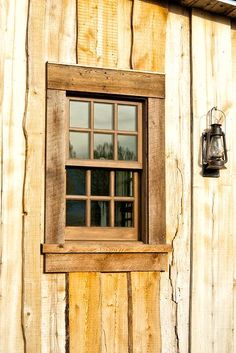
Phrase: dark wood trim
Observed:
(109, 262)
(218, 7)
(156, 172)
(107, 247)
(55, 167)
(105, 81)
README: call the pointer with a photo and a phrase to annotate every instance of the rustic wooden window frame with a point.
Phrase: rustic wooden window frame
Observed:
(150, 254)
(107, 233)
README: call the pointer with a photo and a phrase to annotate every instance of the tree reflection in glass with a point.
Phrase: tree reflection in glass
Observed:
(123, 214)
(127, 148)
(103, 146)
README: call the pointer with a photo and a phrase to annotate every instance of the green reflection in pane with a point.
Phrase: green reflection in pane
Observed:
(124, 183)
(100, 213)
(100, 182)
(127, 148)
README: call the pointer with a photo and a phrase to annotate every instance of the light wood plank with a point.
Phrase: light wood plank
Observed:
(92, 80)
(114, 308)
(175, 284)
(110, 262)
(55, 167)
(212, 214)
(84, 312)
(145, 290)
(233, 127)
(97, 34)
(13, 33)
(149, 35)
(60, 46)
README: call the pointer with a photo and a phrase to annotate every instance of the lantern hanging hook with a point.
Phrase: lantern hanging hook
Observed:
(220, 119)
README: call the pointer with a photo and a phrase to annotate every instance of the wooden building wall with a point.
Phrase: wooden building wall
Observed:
(119, 313)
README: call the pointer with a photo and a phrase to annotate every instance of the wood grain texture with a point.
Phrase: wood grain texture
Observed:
(55, 167)
(33, 198)
(149, 27)
(175, 284)
(156, 172)
(53, 329)
(97, 32)
(104, 247)
(213, 250)
(233, 41)
(60, 46)
(92, 80)
(145, 289)
(226, 8)
(85, 313)
(108, 262)
(114, 309)
(12, 107)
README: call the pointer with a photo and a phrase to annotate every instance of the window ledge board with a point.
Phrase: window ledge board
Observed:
(132, 247)
(105, 258)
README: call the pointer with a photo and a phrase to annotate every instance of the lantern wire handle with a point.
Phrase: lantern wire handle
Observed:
(220, 120)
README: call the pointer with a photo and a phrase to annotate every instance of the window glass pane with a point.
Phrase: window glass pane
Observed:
(100, 213)
(79, 145)
(100, 182)
(75, 181)
(124, 183)
(103, 116)
(123, 214)
(127, 117)
(75, 213)
(127, 148)
(103, 146)
(79, 114)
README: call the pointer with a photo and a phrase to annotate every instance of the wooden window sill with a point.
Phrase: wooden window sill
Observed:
(105, 257)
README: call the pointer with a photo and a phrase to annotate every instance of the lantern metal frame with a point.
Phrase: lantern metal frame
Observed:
(211, 167)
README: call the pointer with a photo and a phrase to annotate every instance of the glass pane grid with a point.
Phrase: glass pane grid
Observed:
(100, 198)
(103, 130)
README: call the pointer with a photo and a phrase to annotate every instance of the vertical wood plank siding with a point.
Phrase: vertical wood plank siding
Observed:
(212, 261)
(175, 284)
(12, 102)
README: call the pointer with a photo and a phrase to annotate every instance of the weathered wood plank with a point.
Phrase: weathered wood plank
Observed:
(110, 262)
(114, 312)
(124, 19)
(233, 41)
(156, 171)
(175, 284)
(13, 25)
(60, 46)
(33, 198)
(97, 32)
(212, 262)
(84, 313)
(149, 35)
(55, 167)
(145, 291)
(53, 313)
(126, 247)
(92, 80)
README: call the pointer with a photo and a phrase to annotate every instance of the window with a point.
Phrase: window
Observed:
(105, 170)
